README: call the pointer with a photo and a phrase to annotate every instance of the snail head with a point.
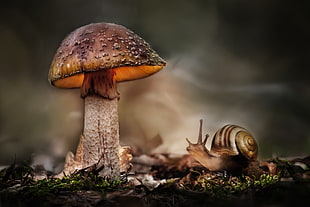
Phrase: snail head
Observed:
(201, 144)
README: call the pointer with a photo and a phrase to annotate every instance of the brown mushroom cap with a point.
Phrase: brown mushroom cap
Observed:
(101, 46)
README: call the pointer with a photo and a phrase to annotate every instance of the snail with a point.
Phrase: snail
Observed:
(233, 149)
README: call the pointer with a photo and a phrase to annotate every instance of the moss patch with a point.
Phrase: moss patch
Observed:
(19, 178)
(80, 181)
(225, 187)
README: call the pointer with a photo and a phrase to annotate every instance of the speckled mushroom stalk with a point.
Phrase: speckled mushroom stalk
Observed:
(101, 128)
(95, 58)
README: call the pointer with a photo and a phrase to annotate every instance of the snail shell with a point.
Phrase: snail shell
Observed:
(235, 140)
(232, 148)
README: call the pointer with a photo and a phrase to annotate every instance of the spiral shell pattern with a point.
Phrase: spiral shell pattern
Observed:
(232, 140)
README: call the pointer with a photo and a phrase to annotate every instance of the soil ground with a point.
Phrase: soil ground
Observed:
(158, 180)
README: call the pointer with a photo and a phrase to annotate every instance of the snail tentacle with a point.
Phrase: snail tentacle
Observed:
(206, 139)
(200, 133)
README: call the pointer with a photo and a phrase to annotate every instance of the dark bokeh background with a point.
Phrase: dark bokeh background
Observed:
(242, 62)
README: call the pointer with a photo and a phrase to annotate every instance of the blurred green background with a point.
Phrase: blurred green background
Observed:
(241, 62)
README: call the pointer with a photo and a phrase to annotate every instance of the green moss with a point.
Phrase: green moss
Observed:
(76, 182)
(225, 187)
(22, 175)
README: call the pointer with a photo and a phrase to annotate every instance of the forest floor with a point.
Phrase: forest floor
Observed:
(159, 180)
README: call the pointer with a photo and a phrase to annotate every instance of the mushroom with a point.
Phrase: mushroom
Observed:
(95, 58)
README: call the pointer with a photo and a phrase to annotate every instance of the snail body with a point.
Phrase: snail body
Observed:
(233, 148)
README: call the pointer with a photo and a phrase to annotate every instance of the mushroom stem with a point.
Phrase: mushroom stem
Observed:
(100, 83)
(101, 135)
(101, 127)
